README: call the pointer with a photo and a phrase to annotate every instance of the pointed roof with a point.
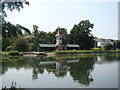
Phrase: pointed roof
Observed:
(58, 34)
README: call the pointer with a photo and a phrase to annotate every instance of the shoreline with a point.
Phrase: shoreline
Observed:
(52, 54)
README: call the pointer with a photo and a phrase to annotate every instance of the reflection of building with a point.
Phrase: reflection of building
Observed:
(99, 60)
(59, 67)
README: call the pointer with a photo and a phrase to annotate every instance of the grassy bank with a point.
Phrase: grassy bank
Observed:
(86, 51)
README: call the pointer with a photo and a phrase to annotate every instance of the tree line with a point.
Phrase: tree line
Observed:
(79, 34)
(12, 35)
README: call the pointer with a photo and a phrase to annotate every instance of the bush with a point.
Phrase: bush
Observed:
(9, 48)
(21, 45)
(14, 52)
(31, 47)
(5, 53)
(85, 51)
(108, 46)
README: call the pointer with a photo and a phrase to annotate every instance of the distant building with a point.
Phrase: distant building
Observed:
(58, 45)
(46, 47)
(100, 42)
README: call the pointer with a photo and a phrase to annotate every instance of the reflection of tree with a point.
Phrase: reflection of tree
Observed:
(80, 68)
(110, 57)
(81, 71)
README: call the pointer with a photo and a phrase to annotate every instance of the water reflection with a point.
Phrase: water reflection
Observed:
(80, 69)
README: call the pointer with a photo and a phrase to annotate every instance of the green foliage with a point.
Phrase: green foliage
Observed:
(9, 48)
(80, 34)
(9, 30)
(35, 30)
(6, 42)
(12, 5)
(86, 51)
(108, 46)
(5, 53)
(31, 47)
(118, 44)
(14, 52)
(21, 45)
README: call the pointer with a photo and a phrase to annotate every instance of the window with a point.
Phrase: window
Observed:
(60, 38)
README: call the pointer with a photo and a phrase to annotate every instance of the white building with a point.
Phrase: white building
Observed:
(100, 42)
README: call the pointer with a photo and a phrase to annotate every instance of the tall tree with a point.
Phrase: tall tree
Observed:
(80, 34)
(14, 4)
(35, 30)
(9, 29)
(21, 45)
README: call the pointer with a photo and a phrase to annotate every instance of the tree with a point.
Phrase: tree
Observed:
(21, 45)
(14, 4)
(6, 42)
(9, 29)
(108, 46)
(80, 34)
(10, 32)
(35, 30)
(118, 44)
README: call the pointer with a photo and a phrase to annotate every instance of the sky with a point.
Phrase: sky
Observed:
(49, 14)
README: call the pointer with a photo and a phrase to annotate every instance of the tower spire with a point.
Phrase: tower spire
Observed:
(58, 41)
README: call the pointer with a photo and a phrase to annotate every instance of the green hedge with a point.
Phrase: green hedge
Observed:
(12, 52)
(85, 51)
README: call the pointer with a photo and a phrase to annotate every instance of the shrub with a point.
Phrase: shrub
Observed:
(31, 47)
(108, 46)
(21, 45)
(9, 48)
(5, 53)
(14, 52)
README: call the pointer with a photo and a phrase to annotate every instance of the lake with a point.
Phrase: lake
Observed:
(84, 71)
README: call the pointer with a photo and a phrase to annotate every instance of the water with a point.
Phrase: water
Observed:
(61, 72)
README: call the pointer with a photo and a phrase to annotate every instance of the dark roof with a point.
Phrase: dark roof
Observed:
(73, 45)
(47, 45)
